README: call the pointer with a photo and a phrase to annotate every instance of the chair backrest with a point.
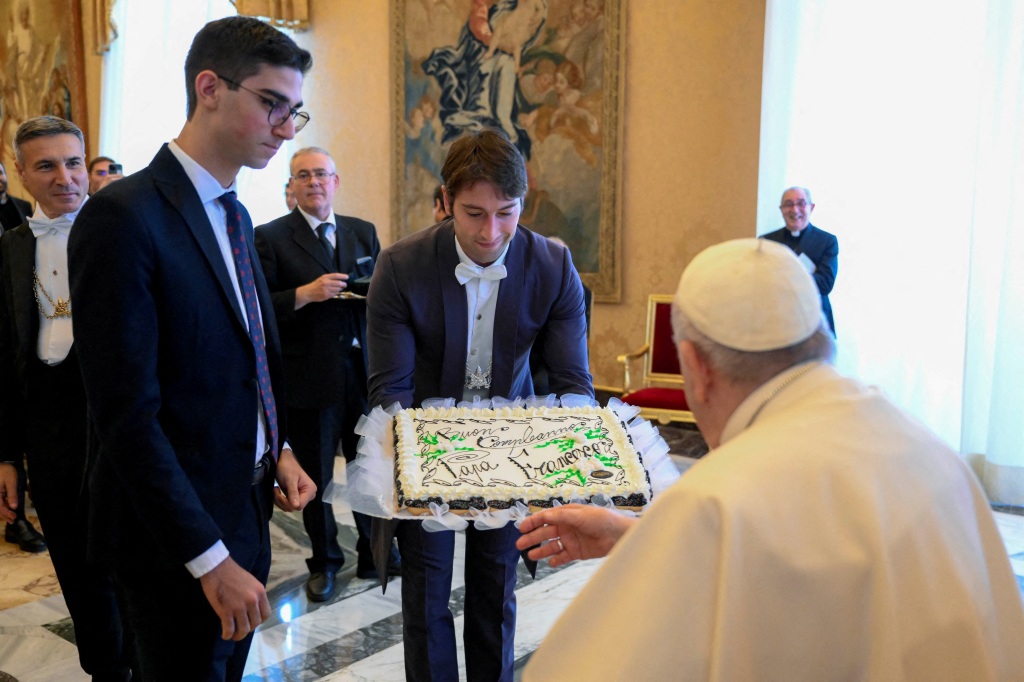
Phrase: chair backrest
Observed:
(662, 363)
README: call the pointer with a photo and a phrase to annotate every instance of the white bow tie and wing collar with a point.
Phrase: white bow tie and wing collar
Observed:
(467, 270)
(491, 273)
(40, 224)
(43, 225)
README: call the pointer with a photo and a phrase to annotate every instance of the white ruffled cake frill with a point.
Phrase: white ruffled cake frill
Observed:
(371, 475)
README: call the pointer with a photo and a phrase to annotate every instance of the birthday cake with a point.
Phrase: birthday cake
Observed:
(492, 459)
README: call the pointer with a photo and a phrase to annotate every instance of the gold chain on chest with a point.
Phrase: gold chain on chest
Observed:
(61, 308)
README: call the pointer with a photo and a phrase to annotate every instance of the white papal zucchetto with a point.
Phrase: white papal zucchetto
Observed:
(750, 295)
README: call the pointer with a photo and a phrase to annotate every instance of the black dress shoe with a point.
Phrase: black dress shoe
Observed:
(25, 536)
(320, 586)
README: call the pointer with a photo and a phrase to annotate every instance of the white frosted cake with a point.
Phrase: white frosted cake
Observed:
(494, 458)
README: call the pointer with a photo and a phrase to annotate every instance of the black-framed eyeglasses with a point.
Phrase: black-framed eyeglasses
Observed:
(306, 177)
(279, 112)
(787, 205)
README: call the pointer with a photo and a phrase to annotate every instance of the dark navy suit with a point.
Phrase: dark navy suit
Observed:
(170, 376)
(417, 316)
(325, 370)
(823, 249)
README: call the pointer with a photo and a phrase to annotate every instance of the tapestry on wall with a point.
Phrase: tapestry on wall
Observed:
(43, 67)
(548, 73)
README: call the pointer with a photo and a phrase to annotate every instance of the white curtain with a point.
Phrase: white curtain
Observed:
(906, 120)
(143, 100)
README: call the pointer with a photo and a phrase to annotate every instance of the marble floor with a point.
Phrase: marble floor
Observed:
(355, 637)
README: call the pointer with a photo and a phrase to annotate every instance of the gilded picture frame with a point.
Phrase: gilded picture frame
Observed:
(43, 67)
(548, 73)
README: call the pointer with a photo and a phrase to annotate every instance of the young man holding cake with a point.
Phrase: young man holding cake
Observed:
(453, 312)
(827, 536)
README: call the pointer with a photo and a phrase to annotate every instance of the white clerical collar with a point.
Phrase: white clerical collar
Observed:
(41, 217)
(207, 187)
(466, 260)
(796, 235)
(315, 222)
(751, 407)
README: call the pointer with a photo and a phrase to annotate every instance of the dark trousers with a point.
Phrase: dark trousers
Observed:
(177, 632)
(19, 468)
(428, 629)
(56, 453)
(314, 436)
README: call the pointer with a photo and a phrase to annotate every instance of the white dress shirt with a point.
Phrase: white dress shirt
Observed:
(481, 300)
(315, 223)
(51, 267)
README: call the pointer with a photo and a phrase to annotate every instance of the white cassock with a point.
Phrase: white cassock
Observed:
(830, 537)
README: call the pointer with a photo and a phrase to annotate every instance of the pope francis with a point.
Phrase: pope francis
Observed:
(827, 536)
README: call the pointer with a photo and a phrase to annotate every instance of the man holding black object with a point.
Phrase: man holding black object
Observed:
(317, 264)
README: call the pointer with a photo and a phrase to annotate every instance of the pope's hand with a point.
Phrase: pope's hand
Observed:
(572, 532)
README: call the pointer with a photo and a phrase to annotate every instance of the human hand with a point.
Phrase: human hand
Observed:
(8, 492)
(320, 289)
(295, 488)
(571, 532)
(109, 179)
(238, 598)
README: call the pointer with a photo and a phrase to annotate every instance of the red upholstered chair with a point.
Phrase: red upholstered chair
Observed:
(660, 394)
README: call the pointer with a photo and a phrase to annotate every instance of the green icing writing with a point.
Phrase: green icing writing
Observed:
(432, 439)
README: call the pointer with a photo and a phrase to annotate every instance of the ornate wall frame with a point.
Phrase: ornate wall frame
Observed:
(549, 72)
(43, 65)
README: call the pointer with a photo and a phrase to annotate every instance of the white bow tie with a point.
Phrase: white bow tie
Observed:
(41, 226)
(492, 273)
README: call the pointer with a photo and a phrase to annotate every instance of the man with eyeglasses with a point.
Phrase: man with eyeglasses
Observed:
(180, 358)
(313, 260)
(817, 249)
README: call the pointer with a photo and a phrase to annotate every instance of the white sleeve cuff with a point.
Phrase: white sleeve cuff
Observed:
(208, 560)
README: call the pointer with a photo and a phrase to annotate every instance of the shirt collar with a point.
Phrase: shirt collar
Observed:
(315, 222)
(207, 186)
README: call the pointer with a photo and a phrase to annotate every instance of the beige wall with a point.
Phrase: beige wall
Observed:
(690, 148)
(692, 120)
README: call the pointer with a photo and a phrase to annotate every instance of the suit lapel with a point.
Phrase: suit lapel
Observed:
(506, 318)
(172, 182)
(309, 242)
(456, 329)
(23, 262)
